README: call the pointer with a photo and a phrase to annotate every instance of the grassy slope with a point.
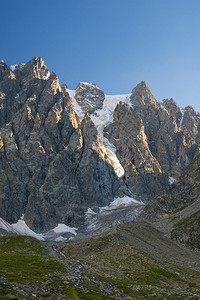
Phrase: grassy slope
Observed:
(28, 271)
(135, 261)
(130, 261)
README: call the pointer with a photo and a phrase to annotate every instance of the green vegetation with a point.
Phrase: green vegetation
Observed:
(172, 219)
(187, 220)
(26, 266)
(119, 262)
(180, 209)
(130, 261)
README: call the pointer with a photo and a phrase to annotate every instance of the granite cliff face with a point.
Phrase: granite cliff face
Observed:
(53, 166)
(55, 163)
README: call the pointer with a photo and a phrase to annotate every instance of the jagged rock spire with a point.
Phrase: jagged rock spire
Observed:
(141, 95)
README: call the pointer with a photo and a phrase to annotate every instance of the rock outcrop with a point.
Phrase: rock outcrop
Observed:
(89, 97)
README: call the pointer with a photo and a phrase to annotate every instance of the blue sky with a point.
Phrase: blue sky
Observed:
(113, 43)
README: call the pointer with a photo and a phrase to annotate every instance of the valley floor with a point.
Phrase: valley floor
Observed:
(130, 261)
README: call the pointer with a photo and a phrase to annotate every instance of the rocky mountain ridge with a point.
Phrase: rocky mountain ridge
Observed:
(63, 152)
(154, 141)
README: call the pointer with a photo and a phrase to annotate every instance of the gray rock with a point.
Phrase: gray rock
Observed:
(89, 97)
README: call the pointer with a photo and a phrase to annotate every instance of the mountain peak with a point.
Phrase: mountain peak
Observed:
(172, 108)
(37, 68)
(87, 84)
(141, 95)
(143, 84)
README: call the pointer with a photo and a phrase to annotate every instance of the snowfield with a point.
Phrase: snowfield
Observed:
(23, 229)
(77, 108)
(13, 67)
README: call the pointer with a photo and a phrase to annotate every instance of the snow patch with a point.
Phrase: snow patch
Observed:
(181, 120)
(60, 239)
(119, 211)
(171, 180)
(111, 153)
(20, 228)
(17, 96)
(23, 229)
(6, 226)
(62, 228)
(104, 116)
(77, 108)
(13, 67)
(162, 106)
(118, 202)
(90, 84)
(90, 212)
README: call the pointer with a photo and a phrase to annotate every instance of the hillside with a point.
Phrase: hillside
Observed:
(130, 261)
(176, 210)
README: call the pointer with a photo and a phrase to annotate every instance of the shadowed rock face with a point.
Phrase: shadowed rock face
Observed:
(52, 165)
(184, 192)
(176, 209)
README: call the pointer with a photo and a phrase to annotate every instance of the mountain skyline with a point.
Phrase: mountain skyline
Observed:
(114, 44)
(81, 150)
